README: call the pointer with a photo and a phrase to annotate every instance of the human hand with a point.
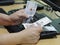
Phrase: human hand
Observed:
(31, 35)
(18, 17)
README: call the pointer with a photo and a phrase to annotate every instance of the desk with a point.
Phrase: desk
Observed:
(54, 41)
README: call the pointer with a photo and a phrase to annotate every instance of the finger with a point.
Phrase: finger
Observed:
(18, 12)
(38, 29)
(23, 16)
(21, 10)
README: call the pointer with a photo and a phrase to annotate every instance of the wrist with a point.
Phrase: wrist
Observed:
(21, 37)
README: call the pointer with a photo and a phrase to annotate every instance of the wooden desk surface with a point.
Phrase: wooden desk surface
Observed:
(55, 41)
